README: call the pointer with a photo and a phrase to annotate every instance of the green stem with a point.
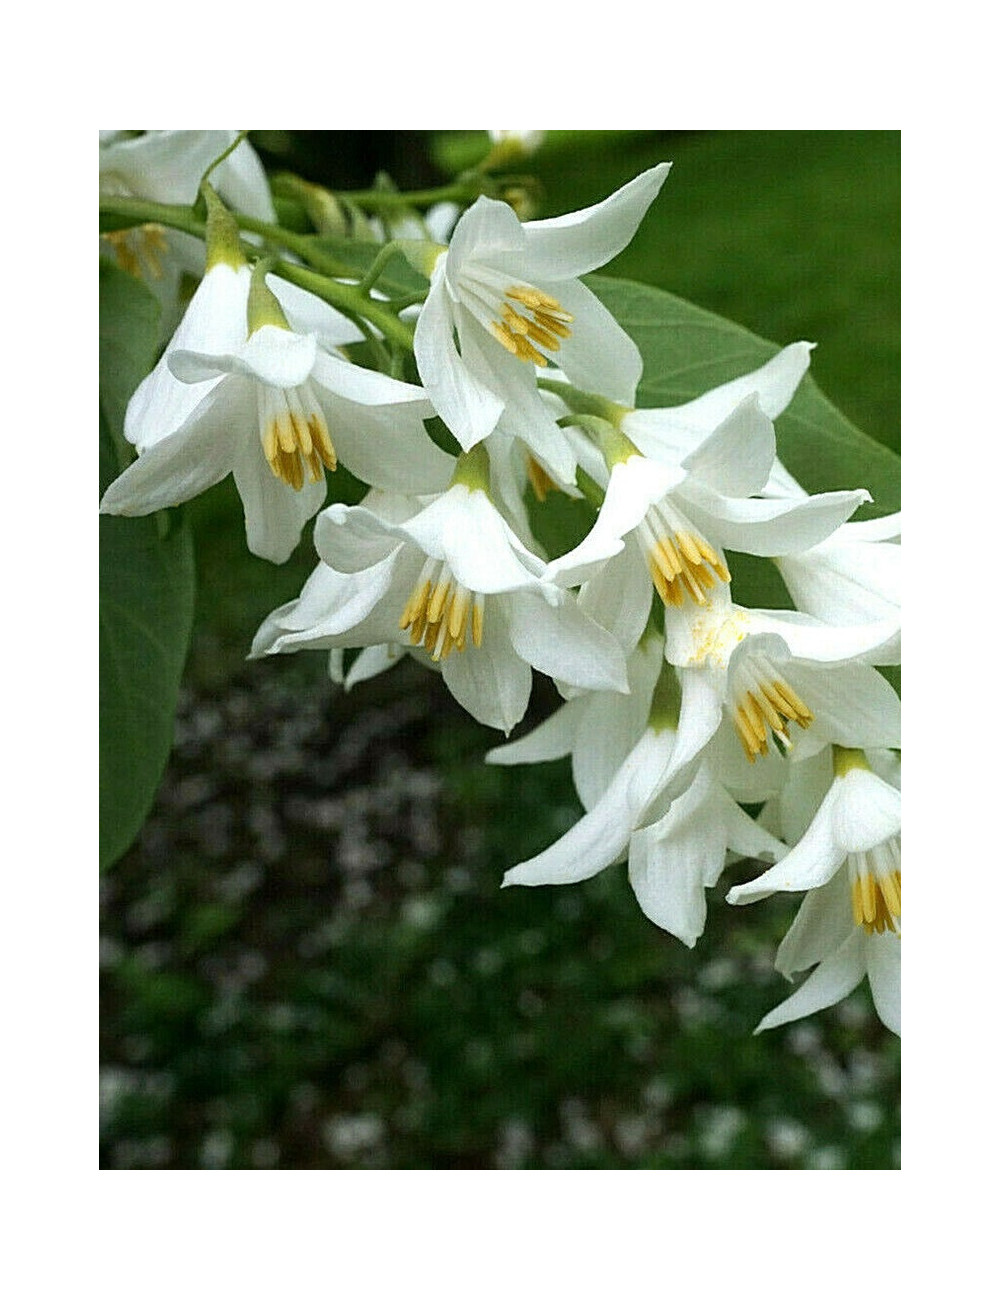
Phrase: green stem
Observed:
(458, 192)
(347, 298)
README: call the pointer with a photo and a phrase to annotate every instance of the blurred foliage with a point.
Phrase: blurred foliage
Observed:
(306, 959)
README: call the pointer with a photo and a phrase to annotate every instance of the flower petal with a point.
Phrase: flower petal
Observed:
(598, 356)
(634, 485)
(559, 248)
(189, 461)
(821, 925)
(829, 983)
(736, 457)
(769, 525)
(883, 955)
(564, 643)
(550, 740)
(489, 680)
(469, 407)
(273, 512)
(215, 321)
(601, 836)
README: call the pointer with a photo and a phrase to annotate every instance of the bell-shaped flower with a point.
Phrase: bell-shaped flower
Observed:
(848, 861)
(454, 583)
(679, 515)
(277, 412)
(510, 294)
(770, 669)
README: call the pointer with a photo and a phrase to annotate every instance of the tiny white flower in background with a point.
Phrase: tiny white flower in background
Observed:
(849, 861)
(528, 142)
(511, 293)
(451, 577)
(266, 417)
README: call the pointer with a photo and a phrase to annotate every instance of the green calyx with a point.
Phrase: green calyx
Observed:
(665, 710)
(472, 469)
(847, 760)
(222, 234)
(422, 254)
(263, 307)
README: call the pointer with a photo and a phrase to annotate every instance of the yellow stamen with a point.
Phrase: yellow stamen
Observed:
(876, 900)
(541, 483)
(438, 611)
(295, 436)
(138, 250)
(683, 564)
(768, 705)
(542, 322)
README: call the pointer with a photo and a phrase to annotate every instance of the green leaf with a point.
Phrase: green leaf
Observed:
(146, 587)
(687, 350)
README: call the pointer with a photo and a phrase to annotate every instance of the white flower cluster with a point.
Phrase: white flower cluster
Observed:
(682, 707)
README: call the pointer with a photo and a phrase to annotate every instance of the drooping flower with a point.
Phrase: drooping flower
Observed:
(680, 514)
(848, 861)
(773, 668)
(452, 578)
(510, 292)
(276, 411)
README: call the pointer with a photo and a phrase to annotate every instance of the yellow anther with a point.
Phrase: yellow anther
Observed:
(768, 706)
(437, 612)
(542, 322)
(876, 899)
(295, 437)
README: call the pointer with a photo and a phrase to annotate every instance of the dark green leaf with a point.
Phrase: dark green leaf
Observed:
(146, 588)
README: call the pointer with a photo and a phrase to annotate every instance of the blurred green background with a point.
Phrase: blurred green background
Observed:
(306, 958)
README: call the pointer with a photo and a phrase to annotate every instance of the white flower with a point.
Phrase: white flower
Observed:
(215, 323)
(268, 421)
(681, 513)
(849, 862)
(770, 669)
(511, 293)
(453, 578)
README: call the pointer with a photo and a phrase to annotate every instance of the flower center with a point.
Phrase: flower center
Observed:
(875, 887)
(518, 315)
(529, 317)
(761, 701)
(441, 611)
(680, 561)
(138, 250)
(294, 433)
